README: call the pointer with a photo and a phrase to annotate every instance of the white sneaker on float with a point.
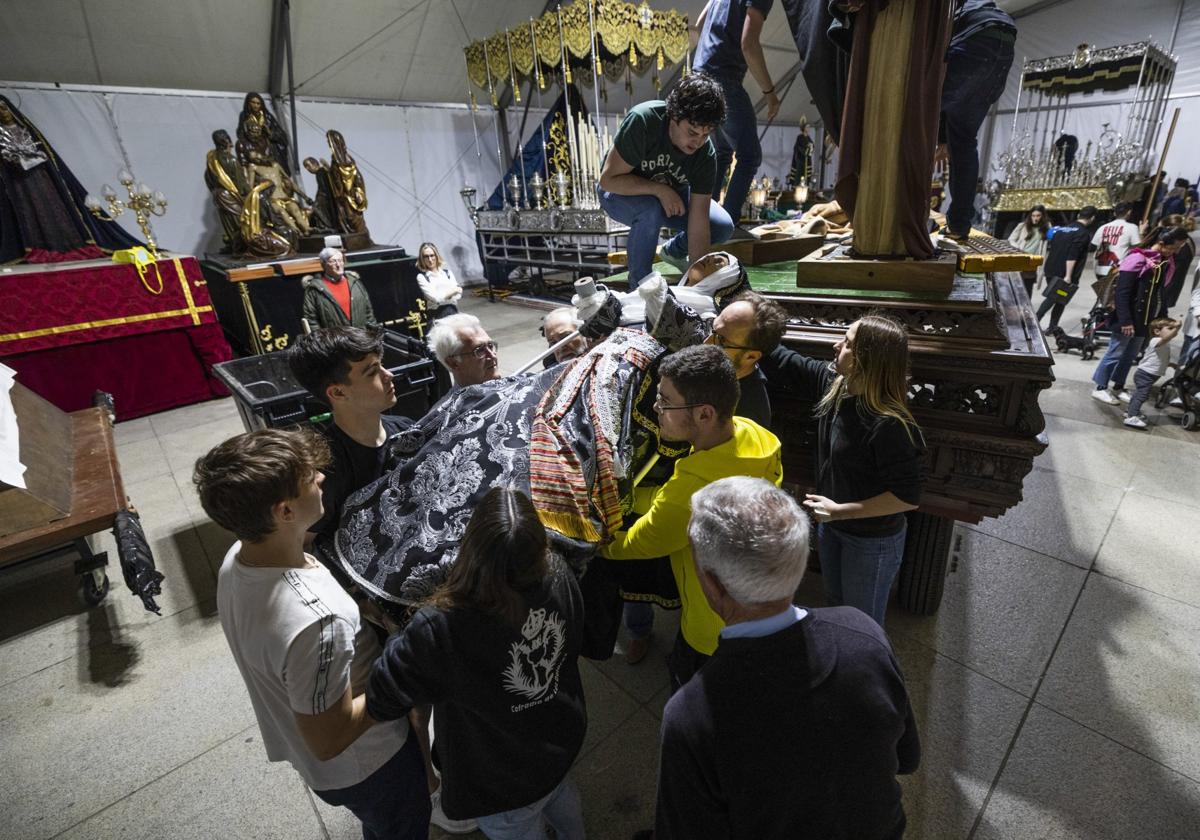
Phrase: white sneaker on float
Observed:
(1135, 423)
(438, 817)
(1103, 395)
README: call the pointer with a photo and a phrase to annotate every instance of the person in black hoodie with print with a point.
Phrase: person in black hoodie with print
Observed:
(495, 652)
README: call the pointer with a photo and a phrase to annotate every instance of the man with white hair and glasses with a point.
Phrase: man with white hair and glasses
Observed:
(463, 346)
(336, 297)
(798, 724)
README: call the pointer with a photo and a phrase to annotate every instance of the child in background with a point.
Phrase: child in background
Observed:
(1154, 364)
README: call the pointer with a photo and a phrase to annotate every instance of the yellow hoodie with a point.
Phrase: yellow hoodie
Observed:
(752, 451)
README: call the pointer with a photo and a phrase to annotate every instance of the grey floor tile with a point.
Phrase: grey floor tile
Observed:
(193, 417)
(1002, 612)
(1071, 399)
(1154, 543)
(131, 431)
(44, 621)
(1062, 516)
(608, 707)
(1128, 666)
(183, 447)
(658, 702)
(1169, 469)
(617, 780)
(1079, 449)
(231, 792)
(966, 723)
(85, 733)
(141, 459)
(1065, 782)
(648, 677)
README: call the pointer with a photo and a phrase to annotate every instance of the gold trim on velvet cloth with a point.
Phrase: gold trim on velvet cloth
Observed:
(194, 311)
(187, 293)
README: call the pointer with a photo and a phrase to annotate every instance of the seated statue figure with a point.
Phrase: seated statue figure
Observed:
(346, 182)
(227, 185)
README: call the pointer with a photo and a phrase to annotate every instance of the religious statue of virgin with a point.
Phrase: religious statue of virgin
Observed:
(275, 141)
(43, 217)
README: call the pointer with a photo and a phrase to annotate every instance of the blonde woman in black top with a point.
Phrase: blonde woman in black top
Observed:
(869, 452)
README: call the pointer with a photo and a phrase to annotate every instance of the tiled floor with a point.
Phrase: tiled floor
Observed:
(1055, 690)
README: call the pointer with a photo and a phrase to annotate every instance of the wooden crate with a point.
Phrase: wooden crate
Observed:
(832, 270)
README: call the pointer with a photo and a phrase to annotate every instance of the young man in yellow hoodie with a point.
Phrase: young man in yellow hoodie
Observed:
(697, 394)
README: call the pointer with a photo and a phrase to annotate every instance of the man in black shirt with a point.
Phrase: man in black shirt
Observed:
(1065, 258)
(798, 724)
(342, 366)
(747, 329)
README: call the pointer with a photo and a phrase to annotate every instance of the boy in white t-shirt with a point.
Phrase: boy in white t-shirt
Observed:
(1153, 365)
(298, 639)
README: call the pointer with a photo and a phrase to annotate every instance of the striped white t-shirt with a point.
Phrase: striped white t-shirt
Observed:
(298, 641)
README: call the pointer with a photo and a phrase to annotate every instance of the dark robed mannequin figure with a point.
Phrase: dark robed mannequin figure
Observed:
(42, 213)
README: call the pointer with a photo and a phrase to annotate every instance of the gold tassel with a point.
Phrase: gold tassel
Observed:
(632, 54)
(569, 525)
(660, 58)
(474, 104)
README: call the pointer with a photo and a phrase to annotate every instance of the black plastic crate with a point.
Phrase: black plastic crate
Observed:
(269, 397)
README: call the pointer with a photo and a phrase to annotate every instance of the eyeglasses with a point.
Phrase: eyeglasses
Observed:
(659, 405)
(482, 351)
(725, 344)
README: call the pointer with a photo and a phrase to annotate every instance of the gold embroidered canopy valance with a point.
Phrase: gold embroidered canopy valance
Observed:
(614, 33)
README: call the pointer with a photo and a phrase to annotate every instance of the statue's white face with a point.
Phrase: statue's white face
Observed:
(705, 266)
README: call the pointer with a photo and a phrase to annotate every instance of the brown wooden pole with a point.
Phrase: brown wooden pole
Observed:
(1162, 160)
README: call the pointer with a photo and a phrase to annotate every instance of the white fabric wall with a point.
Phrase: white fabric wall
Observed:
(414, 159)
(1059, 29)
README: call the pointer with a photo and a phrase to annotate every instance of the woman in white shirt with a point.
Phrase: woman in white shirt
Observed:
(1030, 237)
(437, 282)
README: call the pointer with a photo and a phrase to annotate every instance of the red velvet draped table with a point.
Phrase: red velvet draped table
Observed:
(71, 329)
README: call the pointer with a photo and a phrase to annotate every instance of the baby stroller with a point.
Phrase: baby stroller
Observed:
(1095, 325)
(1183, 385)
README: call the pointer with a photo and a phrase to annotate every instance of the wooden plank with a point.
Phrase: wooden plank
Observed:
(45, 441)
(98, 493)
(835, 270)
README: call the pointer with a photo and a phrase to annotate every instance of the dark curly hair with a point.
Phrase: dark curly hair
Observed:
(699, 99)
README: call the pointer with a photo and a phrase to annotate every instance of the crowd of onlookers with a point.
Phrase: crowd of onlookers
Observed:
(467, 710)
(1146, 293)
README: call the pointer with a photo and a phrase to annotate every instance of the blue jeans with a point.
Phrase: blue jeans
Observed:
(645, 216)
(738, 134)
(560, 808)
(858, 571)
(393, 802)
(639, 618)
(976, 72)
(1118, 359)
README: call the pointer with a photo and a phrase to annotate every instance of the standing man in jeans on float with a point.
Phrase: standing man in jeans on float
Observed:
(977, 63)
(727, 45)
(661, 172)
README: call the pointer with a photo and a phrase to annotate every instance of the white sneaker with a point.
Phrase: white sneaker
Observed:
(1124, 396)
(1104, 396)
(1176, 403)
(438, 817)
(1135, 423)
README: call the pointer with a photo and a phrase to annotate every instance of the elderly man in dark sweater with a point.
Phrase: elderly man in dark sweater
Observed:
(799, 723)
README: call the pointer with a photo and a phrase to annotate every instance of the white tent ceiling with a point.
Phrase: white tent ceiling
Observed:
(384, 50)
